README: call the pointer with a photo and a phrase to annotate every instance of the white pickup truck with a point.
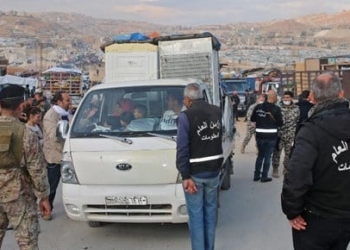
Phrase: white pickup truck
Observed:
(117, 168)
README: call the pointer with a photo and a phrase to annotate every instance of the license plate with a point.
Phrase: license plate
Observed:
(125, 200)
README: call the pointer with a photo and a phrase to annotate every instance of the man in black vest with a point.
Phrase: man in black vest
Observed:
(268, 118)
(199, 159)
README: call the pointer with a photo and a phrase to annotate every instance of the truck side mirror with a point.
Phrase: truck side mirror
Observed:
(62, 130)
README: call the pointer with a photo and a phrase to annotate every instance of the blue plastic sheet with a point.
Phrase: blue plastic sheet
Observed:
(132, 37)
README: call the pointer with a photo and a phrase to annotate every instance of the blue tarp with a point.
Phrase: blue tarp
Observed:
(132, 37)
(121, 38)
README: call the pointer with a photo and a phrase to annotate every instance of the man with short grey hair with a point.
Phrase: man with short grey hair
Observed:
(199, 157)
(315, 195)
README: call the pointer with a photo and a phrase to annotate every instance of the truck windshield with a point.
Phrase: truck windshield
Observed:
(236, 85)
(129, 111)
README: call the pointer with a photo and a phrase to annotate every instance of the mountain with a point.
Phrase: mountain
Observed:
(96, 27)
(340, 18)
(70, 26)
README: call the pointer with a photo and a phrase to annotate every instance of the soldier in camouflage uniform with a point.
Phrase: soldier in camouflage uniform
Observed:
(250, 125)
(290, 114)
(23, 184)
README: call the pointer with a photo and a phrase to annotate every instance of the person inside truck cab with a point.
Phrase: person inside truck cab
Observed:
(116, 124)
(89, 115)
(123, 105)
(174, 103)
(140, 111)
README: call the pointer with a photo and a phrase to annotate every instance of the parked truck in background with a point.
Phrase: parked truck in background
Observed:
(63, 79)
(238, 85)
(115, 174)
(298, 81)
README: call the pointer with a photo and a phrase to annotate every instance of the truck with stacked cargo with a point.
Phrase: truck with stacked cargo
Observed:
(118, 168)
(63, 79)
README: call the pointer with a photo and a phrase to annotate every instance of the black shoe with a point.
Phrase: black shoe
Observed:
(256, 179)
(267, 179)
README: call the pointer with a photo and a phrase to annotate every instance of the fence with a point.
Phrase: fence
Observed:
(298, 81)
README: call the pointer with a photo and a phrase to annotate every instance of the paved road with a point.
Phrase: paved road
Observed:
(250, 219)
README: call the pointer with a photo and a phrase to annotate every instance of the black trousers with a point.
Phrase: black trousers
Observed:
(54, 175)
(235, 112)
(322, 234)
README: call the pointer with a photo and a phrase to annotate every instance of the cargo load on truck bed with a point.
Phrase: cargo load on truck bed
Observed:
(63, 79)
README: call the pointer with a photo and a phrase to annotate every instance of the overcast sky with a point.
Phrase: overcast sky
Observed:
(183, 12)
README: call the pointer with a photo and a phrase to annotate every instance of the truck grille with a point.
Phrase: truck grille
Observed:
(129, 210)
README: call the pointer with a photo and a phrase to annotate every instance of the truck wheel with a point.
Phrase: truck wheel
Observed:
(95, 224)
(230, 167)
(226, 182)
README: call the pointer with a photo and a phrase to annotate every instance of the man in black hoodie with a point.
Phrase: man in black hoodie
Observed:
(316, 188)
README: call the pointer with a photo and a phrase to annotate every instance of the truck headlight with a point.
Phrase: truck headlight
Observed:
(67, 171)
(183, 210)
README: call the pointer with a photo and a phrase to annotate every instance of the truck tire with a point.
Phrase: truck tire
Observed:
(230, 167)
(95, 224)
(226, 182)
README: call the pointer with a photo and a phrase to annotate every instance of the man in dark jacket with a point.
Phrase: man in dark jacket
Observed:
(199, 158)
(315, 196)
(268, 118)
(304, 105)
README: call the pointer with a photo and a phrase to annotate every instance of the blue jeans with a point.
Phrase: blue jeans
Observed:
(266, 148)
(54, 176)
(202, 211)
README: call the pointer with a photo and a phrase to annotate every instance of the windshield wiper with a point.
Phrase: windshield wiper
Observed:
(121, 139)
(167, 137)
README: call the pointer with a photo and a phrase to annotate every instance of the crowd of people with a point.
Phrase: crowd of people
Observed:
(315, 135)
(285, 116)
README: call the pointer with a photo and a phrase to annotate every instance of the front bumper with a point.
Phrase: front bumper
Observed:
(166, 203)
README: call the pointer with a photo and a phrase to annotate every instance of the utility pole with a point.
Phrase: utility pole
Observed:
(41, 58)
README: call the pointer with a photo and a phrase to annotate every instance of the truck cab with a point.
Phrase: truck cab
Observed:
(115, 171)
(121, 167)
(240, 85)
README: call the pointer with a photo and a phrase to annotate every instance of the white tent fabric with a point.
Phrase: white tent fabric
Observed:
(23, 81)
(61, 70)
